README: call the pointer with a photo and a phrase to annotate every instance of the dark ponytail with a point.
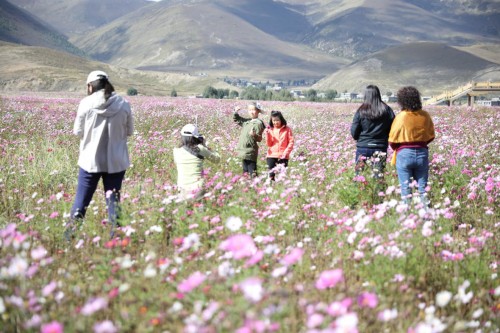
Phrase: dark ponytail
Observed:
(103, 83)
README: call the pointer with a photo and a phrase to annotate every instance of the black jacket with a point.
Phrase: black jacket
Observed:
(372, 133)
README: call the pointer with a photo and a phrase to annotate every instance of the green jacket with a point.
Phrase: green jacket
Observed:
(248, 146)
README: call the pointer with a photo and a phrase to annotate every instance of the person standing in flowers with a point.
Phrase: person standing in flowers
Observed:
(370, 128)
(250, 136)
(279, 140)
(103, 123)
(189, 158)
(411, 132)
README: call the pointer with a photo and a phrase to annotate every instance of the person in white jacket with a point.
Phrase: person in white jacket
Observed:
(103, 123)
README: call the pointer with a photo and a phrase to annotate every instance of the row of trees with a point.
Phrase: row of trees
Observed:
(261, 94)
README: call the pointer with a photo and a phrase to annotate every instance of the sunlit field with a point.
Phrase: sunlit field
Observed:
(318, 250)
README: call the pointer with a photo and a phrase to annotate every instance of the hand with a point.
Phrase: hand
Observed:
(237, 108)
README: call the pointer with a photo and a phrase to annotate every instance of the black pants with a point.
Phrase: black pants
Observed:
(272, 162)
(363, 154)
(250, 167)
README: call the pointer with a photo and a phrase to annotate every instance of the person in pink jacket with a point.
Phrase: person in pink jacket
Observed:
(279, 140)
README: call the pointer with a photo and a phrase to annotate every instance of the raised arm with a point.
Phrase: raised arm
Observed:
(239, 119)
(211, 156)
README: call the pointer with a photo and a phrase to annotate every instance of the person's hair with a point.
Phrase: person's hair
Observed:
(277, 114)
(409, 99)
(103, 83)
(373, 107)
(191, 144)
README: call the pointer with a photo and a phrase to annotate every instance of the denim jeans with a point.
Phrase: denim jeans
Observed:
(87, 185)
(412, 163)
(363, 154)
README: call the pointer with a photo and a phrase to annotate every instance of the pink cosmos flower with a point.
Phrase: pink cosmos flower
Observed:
(315, 320)
(339, 308)
(53, 215)
(254, 259)
(369, 300)
(49, 289)
(240, 246)
(252, 289)
(106, 326)
(193, 281)
(52, 327)
(329, 279)
(387, 315)
(94, 305)
(347, 323)
(38, 253)
(294, 256)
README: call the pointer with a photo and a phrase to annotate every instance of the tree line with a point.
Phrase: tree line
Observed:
(260, 93)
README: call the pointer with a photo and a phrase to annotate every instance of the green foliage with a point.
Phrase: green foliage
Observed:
(132, 91)
(173, 93)
(233, 94)
(211, 92)
(330, 94)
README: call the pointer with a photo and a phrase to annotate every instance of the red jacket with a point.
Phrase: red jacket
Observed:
(280, 142)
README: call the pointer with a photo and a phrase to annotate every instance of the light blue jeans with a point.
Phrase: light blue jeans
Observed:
(413, 164)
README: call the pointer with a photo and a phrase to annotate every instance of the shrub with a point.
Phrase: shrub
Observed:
(132, 92)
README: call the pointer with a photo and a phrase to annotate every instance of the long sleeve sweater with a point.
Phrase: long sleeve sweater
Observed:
(411, 129)
(279, 142)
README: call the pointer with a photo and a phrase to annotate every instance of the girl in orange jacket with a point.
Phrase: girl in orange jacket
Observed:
(279, 139)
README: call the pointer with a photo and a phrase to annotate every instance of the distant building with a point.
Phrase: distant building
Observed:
(389, 99)
(492, 102)
(348, 95)
(296, 93)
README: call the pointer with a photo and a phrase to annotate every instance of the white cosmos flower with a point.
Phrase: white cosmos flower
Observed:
(443, 298)
(234, 223)
(18, 267)
(150, 271)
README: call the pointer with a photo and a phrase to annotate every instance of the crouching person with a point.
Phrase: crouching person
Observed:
(189, 158)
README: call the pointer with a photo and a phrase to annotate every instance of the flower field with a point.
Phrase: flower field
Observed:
(318, 250)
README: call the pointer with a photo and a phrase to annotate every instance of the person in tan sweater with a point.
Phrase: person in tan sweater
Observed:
(411, 132)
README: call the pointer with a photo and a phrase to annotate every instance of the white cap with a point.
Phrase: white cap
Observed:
(96, 75)
(256, 106)
(190, 130)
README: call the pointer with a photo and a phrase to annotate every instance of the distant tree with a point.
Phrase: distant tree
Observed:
(330, 94)
(251, 93)
(283, 95)
(209, 92)
(389, 93)
(132, 92)
(233, 94)
(173, 93)
(311, 95)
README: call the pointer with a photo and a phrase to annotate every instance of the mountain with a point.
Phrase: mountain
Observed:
(75, 17)
(31, 68)
(202, 35)
(356, 28)
(431, 67)
(19, 26)
(287, 39)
